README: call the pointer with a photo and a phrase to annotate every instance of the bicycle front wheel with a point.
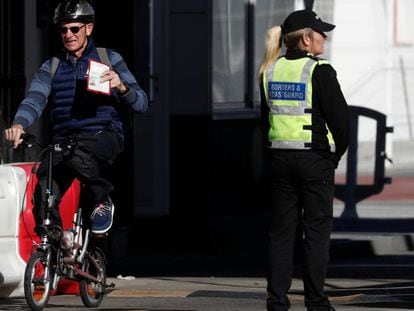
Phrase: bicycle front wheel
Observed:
(92, 292)
(37, 281)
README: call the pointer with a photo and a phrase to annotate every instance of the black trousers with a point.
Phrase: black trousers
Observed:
(301, 194)
(86, 162)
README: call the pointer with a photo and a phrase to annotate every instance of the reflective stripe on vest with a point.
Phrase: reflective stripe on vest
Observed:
(288, 89)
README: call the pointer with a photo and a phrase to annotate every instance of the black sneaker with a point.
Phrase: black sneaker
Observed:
(102, 216)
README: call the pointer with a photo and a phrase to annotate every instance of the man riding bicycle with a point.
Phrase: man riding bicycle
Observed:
(80, 112)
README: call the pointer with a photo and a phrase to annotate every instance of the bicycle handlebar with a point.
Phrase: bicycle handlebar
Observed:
(29, 140)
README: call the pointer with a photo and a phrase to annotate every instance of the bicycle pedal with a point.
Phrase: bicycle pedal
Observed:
(111, 285)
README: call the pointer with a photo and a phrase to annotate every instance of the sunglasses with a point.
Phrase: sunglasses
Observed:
(73, 29)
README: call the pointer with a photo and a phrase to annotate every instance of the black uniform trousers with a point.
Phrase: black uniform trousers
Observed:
(301, 194)
(86, 162)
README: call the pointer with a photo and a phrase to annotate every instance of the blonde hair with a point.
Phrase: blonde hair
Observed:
(272, 48)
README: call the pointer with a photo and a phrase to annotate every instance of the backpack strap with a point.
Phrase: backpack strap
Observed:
(102, 54)
(53, 67)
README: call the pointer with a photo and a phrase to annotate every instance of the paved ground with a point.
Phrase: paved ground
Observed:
(216, 293)
(372, 268)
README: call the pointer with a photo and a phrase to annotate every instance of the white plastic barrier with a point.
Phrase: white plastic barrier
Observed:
(17, 236)
(12, 202)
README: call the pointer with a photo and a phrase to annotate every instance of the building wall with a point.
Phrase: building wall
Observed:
(373, 53)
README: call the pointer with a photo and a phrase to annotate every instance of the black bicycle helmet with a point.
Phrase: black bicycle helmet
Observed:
(74, 11)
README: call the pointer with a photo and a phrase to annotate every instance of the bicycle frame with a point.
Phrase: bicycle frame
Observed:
(80, 240)
(71, 257)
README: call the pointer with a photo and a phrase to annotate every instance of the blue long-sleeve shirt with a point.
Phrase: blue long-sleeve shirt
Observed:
(73, 108)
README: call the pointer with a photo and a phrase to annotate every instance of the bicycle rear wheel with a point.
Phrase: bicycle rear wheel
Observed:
(37, 281)
(91, 292)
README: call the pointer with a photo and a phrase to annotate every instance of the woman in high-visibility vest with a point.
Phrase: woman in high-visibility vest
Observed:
(306, 121)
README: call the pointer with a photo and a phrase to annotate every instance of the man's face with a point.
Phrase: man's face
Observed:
(74, 36)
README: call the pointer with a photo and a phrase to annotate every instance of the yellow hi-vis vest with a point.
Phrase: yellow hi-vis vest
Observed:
(288, 88)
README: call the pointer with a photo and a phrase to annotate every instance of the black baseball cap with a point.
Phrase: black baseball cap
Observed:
(305, 19)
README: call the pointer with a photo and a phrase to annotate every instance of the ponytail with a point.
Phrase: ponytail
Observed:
(273, 45)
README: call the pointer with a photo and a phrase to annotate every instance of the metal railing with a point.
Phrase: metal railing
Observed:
(351, 192)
